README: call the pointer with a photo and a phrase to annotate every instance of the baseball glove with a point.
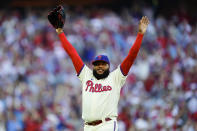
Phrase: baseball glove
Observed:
(57, 17)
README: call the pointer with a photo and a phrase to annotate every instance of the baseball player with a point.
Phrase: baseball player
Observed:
(100, 87)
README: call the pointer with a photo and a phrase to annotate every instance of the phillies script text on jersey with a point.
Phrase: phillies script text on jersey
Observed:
(97, 87)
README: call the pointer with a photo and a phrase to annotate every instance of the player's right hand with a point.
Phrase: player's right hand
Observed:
(57, 17)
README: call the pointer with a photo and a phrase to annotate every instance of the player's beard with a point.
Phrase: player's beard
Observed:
(101, 76)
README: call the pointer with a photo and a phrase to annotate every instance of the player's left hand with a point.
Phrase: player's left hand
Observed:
(143, 24)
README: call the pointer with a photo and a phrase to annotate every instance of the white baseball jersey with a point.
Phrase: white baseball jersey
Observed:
(100, 97)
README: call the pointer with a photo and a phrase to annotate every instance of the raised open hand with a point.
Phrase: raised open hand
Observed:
(143, 24)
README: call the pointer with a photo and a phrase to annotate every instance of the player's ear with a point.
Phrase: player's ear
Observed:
(108, 66)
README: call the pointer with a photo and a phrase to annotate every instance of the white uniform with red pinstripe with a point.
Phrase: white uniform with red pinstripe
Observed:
(100, 99)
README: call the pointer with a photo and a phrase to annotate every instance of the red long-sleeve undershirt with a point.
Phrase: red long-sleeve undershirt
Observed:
(77, 61)
(128, 61)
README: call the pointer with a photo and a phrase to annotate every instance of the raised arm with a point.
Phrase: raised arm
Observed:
(128, 61)
(57, 19)
(77, 61)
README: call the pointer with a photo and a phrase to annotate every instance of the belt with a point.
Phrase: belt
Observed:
(97, 122)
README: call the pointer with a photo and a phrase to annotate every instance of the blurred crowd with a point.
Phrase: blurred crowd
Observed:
(39, 89)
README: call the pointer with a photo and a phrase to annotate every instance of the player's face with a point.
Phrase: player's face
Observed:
(100, 67)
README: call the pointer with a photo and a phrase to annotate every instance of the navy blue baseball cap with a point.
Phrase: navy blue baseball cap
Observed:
(101, 58)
